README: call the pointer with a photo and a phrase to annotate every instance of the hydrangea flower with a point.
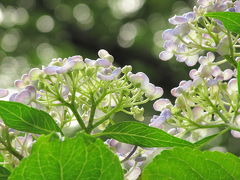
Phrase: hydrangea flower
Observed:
(194, 33)
(80, 85)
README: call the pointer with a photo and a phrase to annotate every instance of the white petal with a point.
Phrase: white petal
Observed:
(165, 55)
(161, 104)
(227, 74)
(191, 60)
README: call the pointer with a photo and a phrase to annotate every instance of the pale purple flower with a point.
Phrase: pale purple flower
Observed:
(3, 93)
(103, 63)
(157, 93)
(211, 82)
(157, 121)
(109, 76)
(237, 6)
(99, 62)
(148, 89)
(139, 78)
(205, 60)
(25, 80)
(183, 86)
(161, 104)
(25, 96)
(232, 86)
(51, 70)
(216, 71)
(227, 74)
(72, 63)
(168, 35)
(176, 20)
(120, 148)
(165, 55)
(185, 18)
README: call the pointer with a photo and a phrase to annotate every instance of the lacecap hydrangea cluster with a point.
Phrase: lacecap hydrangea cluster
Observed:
(210, 99)
(81, 95)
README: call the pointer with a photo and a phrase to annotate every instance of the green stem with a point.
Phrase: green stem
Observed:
(75, 112)
(216, 110)
(104, 118)
(10, 149)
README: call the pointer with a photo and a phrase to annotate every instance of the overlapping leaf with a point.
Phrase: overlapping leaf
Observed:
(80, 158)
(142, 135)
(231, 20)
(186, 163)
(24, 118)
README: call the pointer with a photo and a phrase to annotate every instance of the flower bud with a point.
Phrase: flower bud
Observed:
(137, 113)
(126, 69)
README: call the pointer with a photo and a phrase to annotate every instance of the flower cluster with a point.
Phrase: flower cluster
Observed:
(82, 94)
(85, 87)
(211, 98)
(194, 33)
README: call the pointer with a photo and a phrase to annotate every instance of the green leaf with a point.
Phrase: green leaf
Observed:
(230, 20)
(24, 118)
(187, 163)
(4, 173)
(142, 135)
(82, 157)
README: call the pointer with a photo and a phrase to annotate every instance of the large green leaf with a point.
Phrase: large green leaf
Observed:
(142, 135)
(82, 157)
(24, 118)
(230, 20)
(186, 163)
(4, 173)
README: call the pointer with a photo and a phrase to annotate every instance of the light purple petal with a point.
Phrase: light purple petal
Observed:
(232, 85)
(3, 93)
(19, 84)
(161, 104)
(103, 63)
(165, 55)
(227, 74)
(23, 97)
(138, 78)
(193, 74)
(13, 96)
(237, 6)
(176, 20)
(51, 70)
(191, 60)
(168, 34)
